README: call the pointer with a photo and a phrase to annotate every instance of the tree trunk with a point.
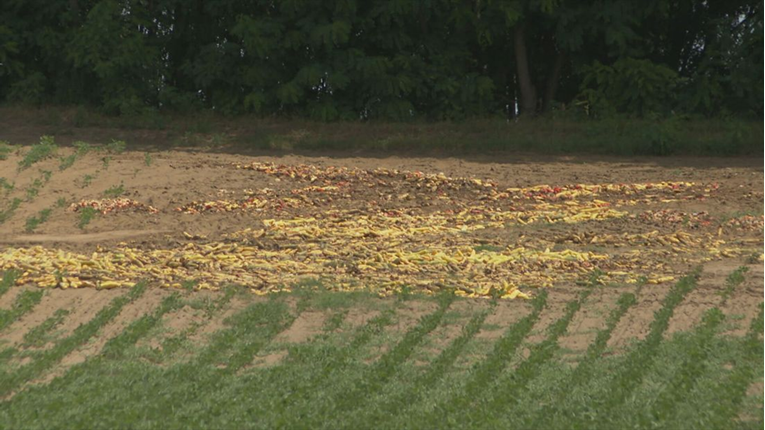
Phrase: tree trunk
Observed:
(528, 92)
(552, 82)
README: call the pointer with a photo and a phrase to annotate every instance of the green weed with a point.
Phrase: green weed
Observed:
(86, 216)
(33, 222)
(115, 191)
(67, 162)
(87, 180)
(82, 148)
(116, 147)
(42, 150)
(147, 159)
(33, 190)
(5, 149)
(61, 202)
(5, 185)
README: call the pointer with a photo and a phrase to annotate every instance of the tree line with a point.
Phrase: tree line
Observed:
(386, 59)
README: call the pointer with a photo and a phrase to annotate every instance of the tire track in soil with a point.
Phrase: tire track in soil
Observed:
(745, 301)
(635, 325)
(145, 304)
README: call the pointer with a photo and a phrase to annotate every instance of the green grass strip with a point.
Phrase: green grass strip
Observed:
(388, 364)
(248, 331)
(420, 385)
(732, 391)
(588, 365)
(38, 152)
(33, 222)
(9, 382)
(487, 370)
(23, 304)
(39, 335)
(267, 329)
(695, 353)
(171, 345)
(503, 396)
(8, 280)
(329, 361)
(732, 282)
(116, 346)
(639, 360)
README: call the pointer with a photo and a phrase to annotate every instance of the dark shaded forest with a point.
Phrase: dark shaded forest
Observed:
(386, 59)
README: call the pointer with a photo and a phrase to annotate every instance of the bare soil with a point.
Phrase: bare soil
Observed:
(177, 178)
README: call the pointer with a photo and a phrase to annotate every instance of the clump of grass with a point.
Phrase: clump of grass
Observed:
(34, 189)
(46, 148)
(5, 185)
(82, 148)
(33, 222)
(105, 162)
(5, 149)
(147, 159)
(115, 191)
(86, 216)
(87, 179)
(66, 162)
(733, 280)
(116, 147)
(189, 284)
(61, 202)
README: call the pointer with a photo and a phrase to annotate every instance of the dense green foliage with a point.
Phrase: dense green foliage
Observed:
(350, 59)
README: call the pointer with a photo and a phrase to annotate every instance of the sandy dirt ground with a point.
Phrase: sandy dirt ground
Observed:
(486, 226)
